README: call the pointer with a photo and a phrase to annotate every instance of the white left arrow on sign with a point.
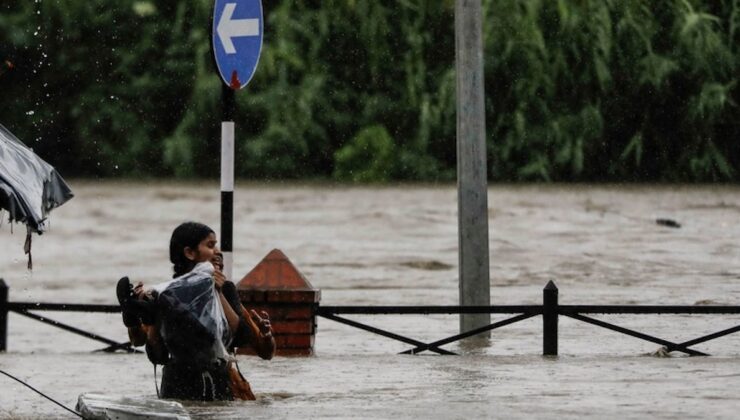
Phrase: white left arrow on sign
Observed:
(231, 28)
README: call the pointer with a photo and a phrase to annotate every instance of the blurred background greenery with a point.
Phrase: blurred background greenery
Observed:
(364, 90)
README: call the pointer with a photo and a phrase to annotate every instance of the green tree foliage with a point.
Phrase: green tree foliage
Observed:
(369, 156)
(365, 90)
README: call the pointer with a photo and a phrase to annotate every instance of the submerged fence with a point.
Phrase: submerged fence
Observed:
(550, 310)
(25, 308)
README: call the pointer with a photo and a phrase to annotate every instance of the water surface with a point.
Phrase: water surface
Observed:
(398, 246)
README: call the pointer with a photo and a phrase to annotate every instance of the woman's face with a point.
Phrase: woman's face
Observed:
(206, 251)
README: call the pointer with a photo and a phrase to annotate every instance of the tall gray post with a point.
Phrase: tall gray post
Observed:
(475, 283)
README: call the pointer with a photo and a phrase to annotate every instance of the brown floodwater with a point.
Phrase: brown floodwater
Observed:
(397, 245)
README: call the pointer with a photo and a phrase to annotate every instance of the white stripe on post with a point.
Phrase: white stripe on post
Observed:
(227, 156)
(227, 191)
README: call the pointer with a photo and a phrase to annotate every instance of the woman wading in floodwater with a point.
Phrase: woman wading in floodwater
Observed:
(189, 322)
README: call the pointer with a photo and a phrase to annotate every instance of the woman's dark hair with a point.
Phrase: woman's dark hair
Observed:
(188, 234)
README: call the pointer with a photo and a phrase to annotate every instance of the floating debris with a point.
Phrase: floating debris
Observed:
(661, 352)
(432, 265)
(668, 223)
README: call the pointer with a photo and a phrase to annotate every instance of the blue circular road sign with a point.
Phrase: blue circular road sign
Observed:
(237, 39)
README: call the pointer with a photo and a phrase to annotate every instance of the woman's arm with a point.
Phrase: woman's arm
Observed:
(231, 317)
(253, 329)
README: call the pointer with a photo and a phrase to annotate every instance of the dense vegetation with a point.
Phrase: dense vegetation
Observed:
(577, 90)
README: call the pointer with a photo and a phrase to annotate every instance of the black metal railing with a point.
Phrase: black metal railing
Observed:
(26, 308)
(550, 311)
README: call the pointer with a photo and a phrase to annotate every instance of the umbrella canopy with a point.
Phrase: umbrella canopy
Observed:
(29, 187)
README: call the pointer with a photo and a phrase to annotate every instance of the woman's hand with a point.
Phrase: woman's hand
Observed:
(218, 279)
(139, 291)
(264, 342)
(262, 322)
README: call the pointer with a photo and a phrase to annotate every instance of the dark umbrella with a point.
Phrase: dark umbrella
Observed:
(29, 187)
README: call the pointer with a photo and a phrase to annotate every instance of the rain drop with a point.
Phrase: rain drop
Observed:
(30, 113)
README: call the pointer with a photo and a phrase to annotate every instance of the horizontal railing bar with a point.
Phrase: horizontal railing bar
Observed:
(429, 310)
(62, 307)
(528, 309)
(646, 309)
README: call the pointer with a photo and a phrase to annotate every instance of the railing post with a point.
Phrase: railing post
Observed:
(3, 316)
(550, 319)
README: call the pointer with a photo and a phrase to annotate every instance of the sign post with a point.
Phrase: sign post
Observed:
(475, 283)
(238, 26)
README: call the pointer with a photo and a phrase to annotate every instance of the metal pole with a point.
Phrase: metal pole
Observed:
(3, 316)
(475, 283)
(227, 181)
(550, 320)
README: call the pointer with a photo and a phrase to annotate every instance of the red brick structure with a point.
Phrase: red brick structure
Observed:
(278, 288)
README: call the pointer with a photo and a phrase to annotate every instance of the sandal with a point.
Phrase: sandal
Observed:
(135, 311)
(125, 295)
